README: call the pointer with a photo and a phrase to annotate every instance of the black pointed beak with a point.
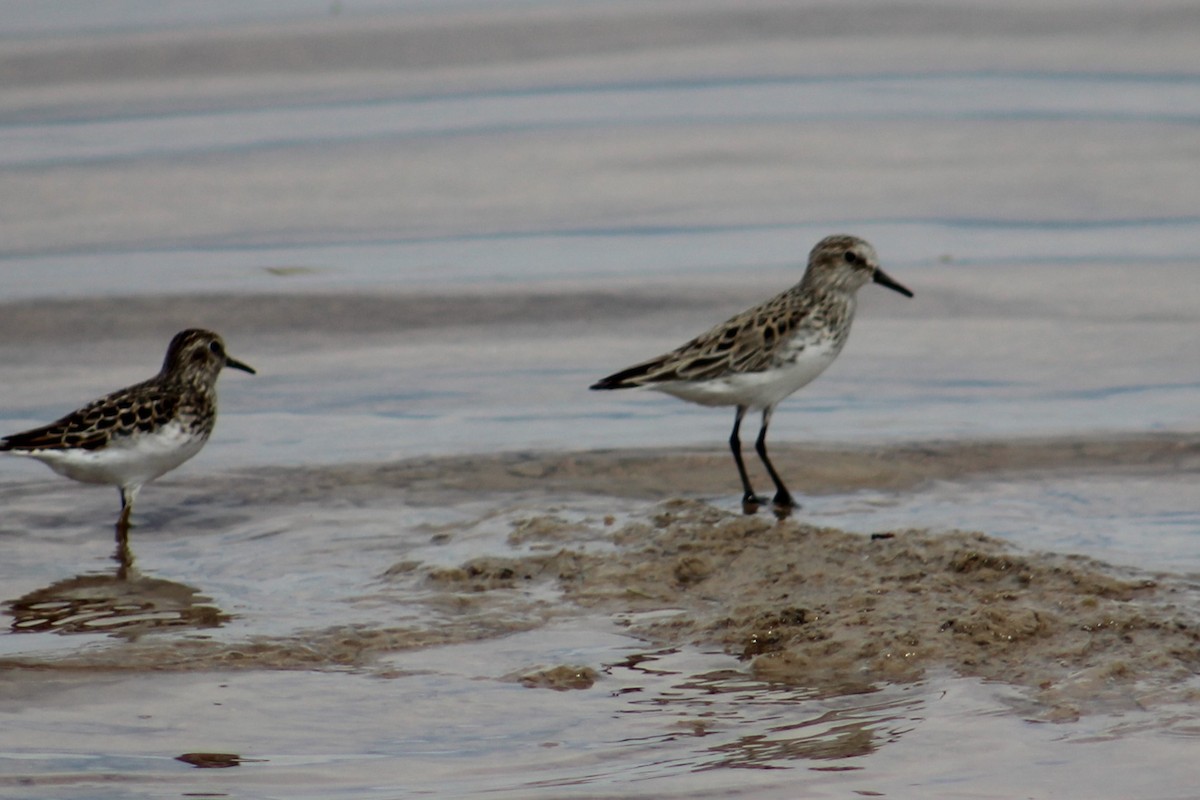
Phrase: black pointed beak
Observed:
(233, 362)
(883, 279)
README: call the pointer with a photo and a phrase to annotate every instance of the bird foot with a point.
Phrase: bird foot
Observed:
(752, 502)
(783, 505)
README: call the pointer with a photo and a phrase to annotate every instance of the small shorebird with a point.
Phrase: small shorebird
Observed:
(757, 358)
(134, 435)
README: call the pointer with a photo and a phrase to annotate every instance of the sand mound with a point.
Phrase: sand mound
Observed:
(840, 612)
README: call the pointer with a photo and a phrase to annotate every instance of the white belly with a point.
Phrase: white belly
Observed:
(132, 461)
(755, 390)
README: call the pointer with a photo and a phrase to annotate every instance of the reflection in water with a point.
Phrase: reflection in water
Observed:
(215, 760)
(751, 724)
(836, 734)
(124, 603)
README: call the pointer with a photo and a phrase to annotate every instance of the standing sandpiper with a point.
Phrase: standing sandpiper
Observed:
(134, 435)
(762, 355)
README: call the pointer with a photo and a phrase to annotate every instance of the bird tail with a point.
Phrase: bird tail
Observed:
(29, 440)
(637, 375)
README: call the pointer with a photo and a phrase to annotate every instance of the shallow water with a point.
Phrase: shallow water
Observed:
(675, 725)
(296, 627)
(430, 227)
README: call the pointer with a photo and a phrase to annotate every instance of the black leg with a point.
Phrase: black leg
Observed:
(127, 496)
(123, 555)
(750, 501)
(783, 498)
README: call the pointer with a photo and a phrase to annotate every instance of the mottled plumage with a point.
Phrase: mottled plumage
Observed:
(757, 358)
(132, 436)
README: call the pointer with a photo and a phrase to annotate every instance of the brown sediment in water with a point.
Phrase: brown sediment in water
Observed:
(841, 612)
(560, 678)
(341, 647)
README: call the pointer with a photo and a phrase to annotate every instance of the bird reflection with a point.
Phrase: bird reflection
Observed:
(122, 603)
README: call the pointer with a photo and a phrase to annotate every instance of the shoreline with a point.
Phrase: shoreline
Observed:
(659, 473)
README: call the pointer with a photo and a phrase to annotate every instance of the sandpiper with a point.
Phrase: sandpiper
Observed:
(757, 358)
(134, 435)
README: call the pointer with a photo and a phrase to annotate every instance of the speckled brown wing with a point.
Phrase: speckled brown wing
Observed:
(139, 408)
(748, 342)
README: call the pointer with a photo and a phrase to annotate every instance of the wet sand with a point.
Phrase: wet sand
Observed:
(650, 474)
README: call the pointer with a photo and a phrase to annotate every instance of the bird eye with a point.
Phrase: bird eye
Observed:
(850, 256)
(216, 349)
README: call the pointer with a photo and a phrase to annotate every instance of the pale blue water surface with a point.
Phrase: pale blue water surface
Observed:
(1034, 185)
